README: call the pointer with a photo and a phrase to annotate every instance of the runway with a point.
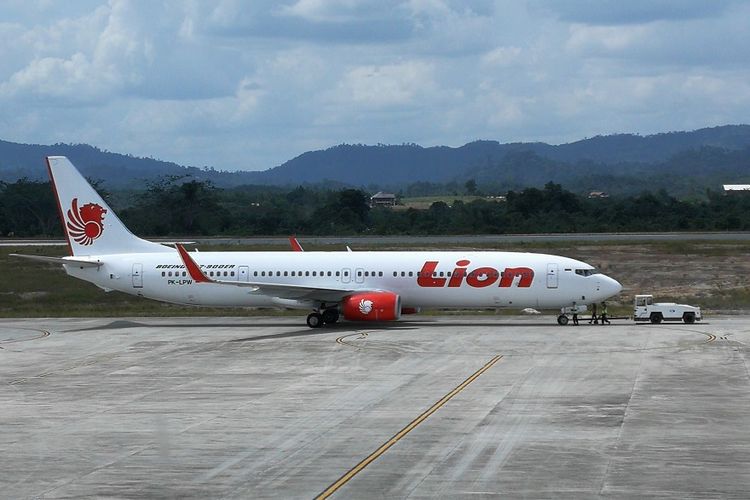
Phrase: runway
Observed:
(451, 407)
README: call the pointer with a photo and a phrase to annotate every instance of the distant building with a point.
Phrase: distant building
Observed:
(598, 194)
(733, 188)
(381, 199)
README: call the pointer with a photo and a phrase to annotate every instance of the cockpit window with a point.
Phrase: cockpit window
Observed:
(587, 272)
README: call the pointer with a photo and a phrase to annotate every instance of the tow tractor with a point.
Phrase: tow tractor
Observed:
(645, 309)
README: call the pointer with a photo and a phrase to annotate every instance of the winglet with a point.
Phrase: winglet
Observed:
(295, 244)
(193, 269)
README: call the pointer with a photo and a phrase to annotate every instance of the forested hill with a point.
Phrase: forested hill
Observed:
(116, 170)
(610, 155)
(622, 162)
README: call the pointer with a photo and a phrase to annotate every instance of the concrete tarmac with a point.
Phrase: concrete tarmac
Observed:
(449, 407)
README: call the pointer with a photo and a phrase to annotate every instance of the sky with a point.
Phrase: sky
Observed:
(247, 85)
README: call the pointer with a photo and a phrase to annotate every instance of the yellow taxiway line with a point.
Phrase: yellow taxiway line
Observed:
(403, 432)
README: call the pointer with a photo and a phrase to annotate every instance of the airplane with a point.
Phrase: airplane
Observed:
(358, 286)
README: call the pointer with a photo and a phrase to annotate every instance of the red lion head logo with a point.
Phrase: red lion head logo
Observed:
(85, 224)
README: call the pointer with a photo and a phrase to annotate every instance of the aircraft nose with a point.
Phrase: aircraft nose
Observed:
(611, 286)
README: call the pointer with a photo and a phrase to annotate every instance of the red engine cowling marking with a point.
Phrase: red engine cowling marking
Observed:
(371, 306)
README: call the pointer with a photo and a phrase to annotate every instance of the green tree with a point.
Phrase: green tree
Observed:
(29, 208)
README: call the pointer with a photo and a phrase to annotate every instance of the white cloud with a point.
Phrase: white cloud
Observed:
(237, 83)
(387, 85)
(501, 56)
(321, 10)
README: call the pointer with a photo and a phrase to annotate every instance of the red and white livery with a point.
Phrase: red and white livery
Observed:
(360, 286)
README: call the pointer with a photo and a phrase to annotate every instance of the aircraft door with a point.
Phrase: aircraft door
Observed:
(551, 275)
(137, 275)
(346, 275)
(243, 273)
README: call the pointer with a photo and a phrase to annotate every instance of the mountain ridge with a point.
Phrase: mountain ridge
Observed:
(394, 166)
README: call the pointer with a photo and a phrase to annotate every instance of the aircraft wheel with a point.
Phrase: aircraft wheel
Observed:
(314, 320)
(330, 316)
(562, 320)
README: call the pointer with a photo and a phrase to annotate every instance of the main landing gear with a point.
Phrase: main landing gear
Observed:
(328, 317)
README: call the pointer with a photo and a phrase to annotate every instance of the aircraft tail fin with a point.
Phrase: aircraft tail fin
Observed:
(90, 225)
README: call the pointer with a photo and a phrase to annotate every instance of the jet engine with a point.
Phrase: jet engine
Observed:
(371, 306)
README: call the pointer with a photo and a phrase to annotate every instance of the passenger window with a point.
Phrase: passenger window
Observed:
(403, 274)
(286, 273)
(337, 273)
(367, 273)
(255, 273)
(184, 273)
(411, 273)
(346, 273)
(163, 273)
(329, 273)
(231, 274)
(380, 273)
(307, 273)
(314, 273)
(359, 273)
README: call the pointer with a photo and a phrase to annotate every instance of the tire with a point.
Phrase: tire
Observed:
(314, 320)
(656, 318)
(330, 316)
(688, 318)
(562, 320)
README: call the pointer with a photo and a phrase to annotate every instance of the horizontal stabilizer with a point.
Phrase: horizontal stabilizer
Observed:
(59, 260)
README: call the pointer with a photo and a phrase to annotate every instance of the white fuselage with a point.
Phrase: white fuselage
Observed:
(420, 278)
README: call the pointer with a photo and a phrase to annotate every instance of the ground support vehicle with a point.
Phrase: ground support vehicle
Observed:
(645, 309)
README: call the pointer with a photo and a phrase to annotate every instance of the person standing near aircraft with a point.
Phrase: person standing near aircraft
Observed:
(593, 319)
(604, 314)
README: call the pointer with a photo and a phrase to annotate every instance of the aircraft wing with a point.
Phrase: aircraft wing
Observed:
(286, 291)
(59, 260)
